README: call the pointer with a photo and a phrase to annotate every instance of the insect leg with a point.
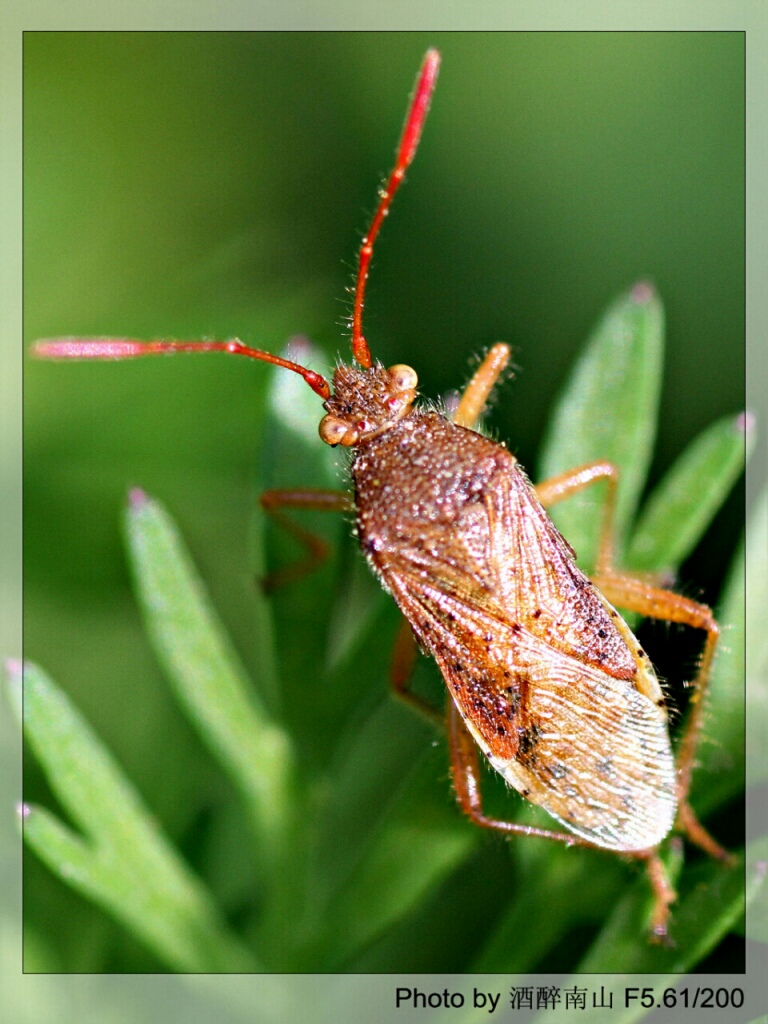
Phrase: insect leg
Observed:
(466, 780)
(477, 392)
(558, 488)
(316, 548)
(664, 895)
(400, 672)
(639, 596)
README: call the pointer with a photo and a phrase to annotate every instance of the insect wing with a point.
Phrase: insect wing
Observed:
(542, 671)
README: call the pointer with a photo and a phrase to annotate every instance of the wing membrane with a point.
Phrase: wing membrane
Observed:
(541, 670)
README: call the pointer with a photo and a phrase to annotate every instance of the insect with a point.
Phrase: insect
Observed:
(543, 675)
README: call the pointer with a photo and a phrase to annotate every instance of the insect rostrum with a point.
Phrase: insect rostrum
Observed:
(543, 674)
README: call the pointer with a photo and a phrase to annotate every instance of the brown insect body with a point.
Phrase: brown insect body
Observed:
(545, 674)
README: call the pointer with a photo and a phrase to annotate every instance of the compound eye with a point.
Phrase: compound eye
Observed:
(336, 431)
(404, 377)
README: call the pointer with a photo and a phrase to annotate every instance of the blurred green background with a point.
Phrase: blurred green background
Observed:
(217, 185)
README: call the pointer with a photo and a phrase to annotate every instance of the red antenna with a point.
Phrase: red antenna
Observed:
(409, 140)
(128, 348)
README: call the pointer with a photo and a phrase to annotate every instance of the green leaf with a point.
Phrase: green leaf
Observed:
(207, 676)
(122, 860)
(756, 924)
(608, 411)
(561, 881)
(757, 637)
(685, 502)
(721, 754)
(404, 858)
(372, 773)
(406, 863)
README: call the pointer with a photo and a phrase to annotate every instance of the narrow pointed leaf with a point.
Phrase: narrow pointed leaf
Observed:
(406, 856)
(206, 673)
(757, 641)
(83, 774)
(608, 411)
(563, 885)
(687, 499)
(122, 861)
(721, 753)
